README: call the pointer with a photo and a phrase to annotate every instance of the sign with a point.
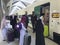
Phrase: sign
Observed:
(55, 15)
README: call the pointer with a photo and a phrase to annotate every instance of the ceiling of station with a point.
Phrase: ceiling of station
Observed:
(21, 5)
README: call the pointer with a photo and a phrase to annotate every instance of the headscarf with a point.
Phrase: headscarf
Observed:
(19, 25)
(42, 19)
(23, 20)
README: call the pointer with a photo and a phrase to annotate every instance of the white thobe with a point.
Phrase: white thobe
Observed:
(22, 33)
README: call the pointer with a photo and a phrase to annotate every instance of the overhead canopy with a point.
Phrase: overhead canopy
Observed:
(14, 10)
(28, 1)
(20, 5)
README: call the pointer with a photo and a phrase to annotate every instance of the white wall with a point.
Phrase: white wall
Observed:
(54, 26)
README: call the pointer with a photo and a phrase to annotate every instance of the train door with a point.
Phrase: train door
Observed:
(45, 12)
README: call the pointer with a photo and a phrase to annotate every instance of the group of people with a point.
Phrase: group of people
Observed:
(20, 27)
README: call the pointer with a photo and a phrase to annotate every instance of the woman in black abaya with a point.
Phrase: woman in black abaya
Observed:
(39, 33)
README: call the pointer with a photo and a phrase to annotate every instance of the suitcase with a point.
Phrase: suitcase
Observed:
(10, 35)
(27, 39)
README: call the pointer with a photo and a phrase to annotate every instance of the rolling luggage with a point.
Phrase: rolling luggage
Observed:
(10, 35)
(27, 39)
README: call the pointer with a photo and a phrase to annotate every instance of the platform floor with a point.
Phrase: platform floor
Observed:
(47, 41)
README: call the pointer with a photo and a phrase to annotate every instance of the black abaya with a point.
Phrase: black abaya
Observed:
(39, 33)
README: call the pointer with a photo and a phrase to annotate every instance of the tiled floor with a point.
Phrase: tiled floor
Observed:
(47, 41)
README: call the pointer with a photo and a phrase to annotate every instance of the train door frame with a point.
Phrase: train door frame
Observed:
(42, 6)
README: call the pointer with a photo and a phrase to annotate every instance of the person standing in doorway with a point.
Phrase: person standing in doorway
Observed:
(33, 20)
(40, 32)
